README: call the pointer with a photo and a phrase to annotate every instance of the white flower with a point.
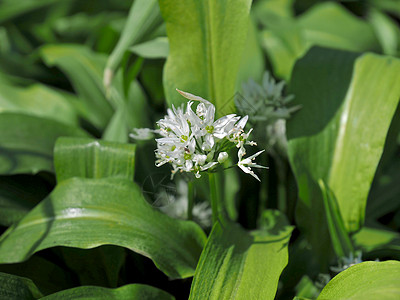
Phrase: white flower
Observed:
(142, 133)
(247, 163)
(194, 142)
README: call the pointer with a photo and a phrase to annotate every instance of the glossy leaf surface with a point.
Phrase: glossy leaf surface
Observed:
(236, 264)
(338, 135)
(87, 213)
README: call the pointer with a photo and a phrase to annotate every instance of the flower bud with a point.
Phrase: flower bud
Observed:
(222, 157)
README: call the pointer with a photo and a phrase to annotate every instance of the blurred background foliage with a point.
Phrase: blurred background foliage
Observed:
(98, 69)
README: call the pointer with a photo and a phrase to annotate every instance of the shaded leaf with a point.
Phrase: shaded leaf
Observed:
(84, 69)
(144, 16)
(37, 100)
(126, 292)
(26, 142)
(18, 195)
(15, 287)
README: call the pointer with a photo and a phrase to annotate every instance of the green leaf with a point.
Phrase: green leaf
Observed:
(367, 280)
(144, 17)
(157, 48)
(98, 266)
(84, 69)
(206, 46)
(327, 24)
(252, 64)
(47, 276)
(126, 292)
(236, 264)
(15, 287)
(387, 31)
(10, 9)
(87, 213)
(89, 158)
(340, 239)
(338, 135)
(18, 195)
(284, 43)
(376, 241)
(26, 142)
(38, 100)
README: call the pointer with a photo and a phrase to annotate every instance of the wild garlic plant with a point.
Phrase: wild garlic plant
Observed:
(193, 141)
(267, 106)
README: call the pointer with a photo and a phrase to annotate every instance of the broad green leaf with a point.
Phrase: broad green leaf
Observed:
(18, 195)
(236, 264)
(378, 241)
(144, 16)
(206, 46)
(89, 158)
(86, 213)
(338, 135)
(367, 280)
(26, 142)
(252, 64)
(84, 69)
(327, 24)
(126, 292)
(15, 287)
(157, 48)
(10, 9)
(37, 100)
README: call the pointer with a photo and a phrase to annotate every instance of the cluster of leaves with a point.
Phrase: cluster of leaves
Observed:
(80, 211)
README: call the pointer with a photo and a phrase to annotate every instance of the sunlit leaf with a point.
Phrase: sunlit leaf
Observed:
(367, 280)
(236, 264)
(206, 46)
(87, 213)
(157, 48)
(88, 158)
(338, 135)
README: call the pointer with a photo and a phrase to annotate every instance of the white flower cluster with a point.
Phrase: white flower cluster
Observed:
(194, 142)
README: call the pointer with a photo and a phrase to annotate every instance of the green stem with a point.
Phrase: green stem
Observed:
(214, 196)
(190, 200)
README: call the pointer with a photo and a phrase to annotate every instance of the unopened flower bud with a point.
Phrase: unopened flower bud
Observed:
(222, 157)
